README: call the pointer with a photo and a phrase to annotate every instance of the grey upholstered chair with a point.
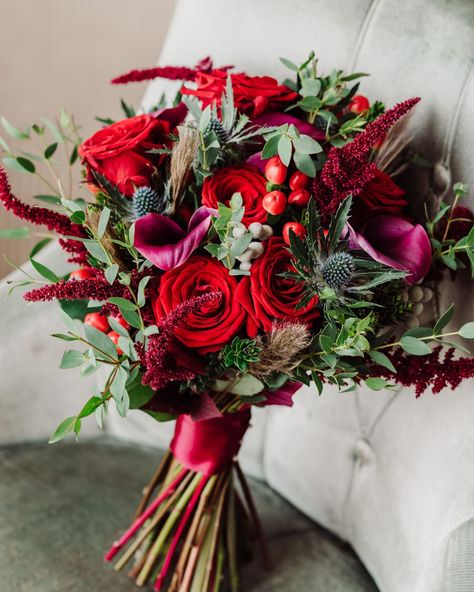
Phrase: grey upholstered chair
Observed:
(391, 475)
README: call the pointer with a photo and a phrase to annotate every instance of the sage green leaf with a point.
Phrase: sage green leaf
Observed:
(71, 359)
(307, 145)
(22, 232)
(467, 331)
(304, 163)
(13, 131)
(414, 346)
(247, 386)
(376, 384)
(65, 427)
(103, 221)
(285, 149)
(111, 273)
(100, 342)
(443, 320)
(379, 358)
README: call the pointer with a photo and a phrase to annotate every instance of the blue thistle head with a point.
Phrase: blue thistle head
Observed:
(337, 270)
(146, 200)
(216, 126)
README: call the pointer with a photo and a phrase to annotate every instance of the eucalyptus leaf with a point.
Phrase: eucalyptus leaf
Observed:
(414, 346)
(64, 428)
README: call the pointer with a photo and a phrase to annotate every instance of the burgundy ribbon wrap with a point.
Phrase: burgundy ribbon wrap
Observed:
(209, 446)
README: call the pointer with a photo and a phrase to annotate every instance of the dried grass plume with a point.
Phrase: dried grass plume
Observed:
(182, 157)
(282, 348)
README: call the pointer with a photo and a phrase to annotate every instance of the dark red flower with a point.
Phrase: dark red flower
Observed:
(244, 179)
(381, 195)
(218, 320)
(268, 297)
(253, 95)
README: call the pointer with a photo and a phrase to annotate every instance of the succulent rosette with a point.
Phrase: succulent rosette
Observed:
(254, 237)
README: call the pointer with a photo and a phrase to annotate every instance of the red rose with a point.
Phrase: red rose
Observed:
(253, 95)
(219, 320)
(244, 179)
(382, 196)
(267, 296)
(119, 151)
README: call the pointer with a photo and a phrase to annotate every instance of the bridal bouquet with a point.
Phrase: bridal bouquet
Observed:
(250, 238)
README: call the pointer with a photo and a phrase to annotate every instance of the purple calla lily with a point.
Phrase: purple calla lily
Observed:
(395, 242)
(163, 242)
(282, 396)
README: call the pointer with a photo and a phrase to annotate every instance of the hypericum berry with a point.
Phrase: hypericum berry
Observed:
(274, 202)
(275, 170)
(114, 337)
(299, 180)
(299, 197)
(337, 270)
(359, 104)
(296, 227)
(146, 200)
(98, 321)
(216, 126)
(83, 273)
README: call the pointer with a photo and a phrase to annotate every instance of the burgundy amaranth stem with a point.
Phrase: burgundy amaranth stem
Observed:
(169, 72)
(179, 531)
(144, 517)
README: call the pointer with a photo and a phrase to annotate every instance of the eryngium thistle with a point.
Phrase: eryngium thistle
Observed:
(337, 270)
(216, 126)
(145, 200)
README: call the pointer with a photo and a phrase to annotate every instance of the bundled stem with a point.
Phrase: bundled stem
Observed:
(185, 540)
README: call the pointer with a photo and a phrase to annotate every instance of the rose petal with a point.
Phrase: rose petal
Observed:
(163, 242)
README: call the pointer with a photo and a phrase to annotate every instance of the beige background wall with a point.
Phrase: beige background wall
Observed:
(62, 53)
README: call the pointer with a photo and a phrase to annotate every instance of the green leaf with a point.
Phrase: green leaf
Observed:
(443, 320)
(375, 383)
(132, 318)
(381, 359)
(111, 273)
(44, 271)
(69, 321)
(74, 155)
(117, 327)
(71, 359)
(39, 246)
(65, 427)
(92, 404)
(305, 164)
(22, 232)
(310, 87)
(141, 290)
(76, 309)
(55, 132)
(49, 199)
(103, 221)
(20, 164)
(127, 109)
(414, 346)
(271, 147)
(117, 387)
(50, 150)
(64, 337)
(338, 222)
(139, 393)
(306, 145)
(161, 417)
(284, 149)
(95, 249)
(289, 64)
(101, 342)
(13, 131)
(247, 386)
(122, 303)
(467, 331)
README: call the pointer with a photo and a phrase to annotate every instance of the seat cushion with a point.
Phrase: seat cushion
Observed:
(61, 506)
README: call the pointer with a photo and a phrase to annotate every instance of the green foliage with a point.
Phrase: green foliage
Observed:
(240, 353)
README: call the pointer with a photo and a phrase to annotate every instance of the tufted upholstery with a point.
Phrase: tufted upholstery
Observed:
(391, 474)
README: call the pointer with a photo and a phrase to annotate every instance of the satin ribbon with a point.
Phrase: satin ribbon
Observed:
(209, 446)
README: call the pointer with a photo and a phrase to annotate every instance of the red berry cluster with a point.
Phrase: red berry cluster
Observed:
(276, 201)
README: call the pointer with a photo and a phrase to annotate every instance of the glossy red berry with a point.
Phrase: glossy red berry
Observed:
(359, 104)
(296, 227)
(83, 273)
(98, 321)
(274, 202)
(299, 197)
(299, 180)
(275, 171)
(114, 336)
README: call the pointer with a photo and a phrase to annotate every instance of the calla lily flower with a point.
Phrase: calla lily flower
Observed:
(395, 242)
(163, 242)
(282, 396)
